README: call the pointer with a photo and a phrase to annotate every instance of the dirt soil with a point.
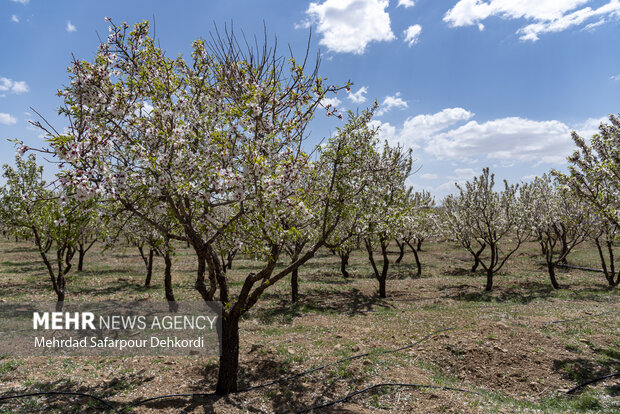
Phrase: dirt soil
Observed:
(516, 349)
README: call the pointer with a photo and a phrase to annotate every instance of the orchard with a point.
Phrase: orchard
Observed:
(197, 178)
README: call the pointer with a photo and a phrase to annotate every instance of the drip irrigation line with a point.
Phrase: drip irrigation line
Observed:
(254, 387)
(162, 397)
(595, 380)
(301, 374)
(589, 269)
(388, 384)
(45, 393)
(578, 319)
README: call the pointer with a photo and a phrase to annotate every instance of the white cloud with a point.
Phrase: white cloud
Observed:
(470, 12)
(14, 18)
(428, 176)
(406, 3)
(333, 102)
(385, 130)
(20, 87)
(510, 138)
(9, 85)
(21, 1)
(422, 127)
(464, 174)
(412, 34)
(590, 126)
(590, 27)
(548, 15)
(7, 119)
(391, 102)
(348, 26)
(70, 27)
(358, 97)
(532, 31)
(615, 77)
(417, 130)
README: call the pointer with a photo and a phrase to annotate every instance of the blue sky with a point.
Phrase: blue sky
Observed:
(465, 83)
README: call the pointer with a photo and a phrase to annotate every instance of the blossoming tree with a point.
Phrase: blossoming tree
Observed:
(560, 221)
(418, 224)
(499, 221)
(386, 208)
(218, 143)
(52, 220)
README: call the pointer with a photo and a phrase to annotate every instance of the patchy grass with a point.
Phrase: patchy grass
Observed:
(521, 346)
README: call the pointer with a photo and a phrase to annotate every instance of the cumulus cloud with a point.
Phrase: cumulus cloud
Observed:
(464, 174)
(532, 31)
(406, 3)
(330, 102)
(419, 129)
(547, 15)
(615, 77)
(391, 102)
(509, 139)
(422, 127)
(591, 26)
(70, 27)
(412, 34)
(14, 18)
(590, 126)
(348, 26)
(9, 85)
(358, 97)
(7, 119)
(385, 130)
(428, 176)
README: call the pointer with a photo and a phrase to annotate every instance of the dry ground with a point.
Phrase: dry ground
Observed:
(507, 345)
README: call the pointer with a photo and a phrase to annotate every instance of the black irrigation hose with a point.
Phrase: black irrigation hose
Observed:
(162, 397)
(254, 387)
(578, 319)
(589, 269)
(301, 374)
(595, 380)
(44, 393)
(372, 387)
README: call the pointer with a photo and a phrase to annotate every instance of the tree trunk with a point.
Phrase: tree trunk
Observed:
(230, 256)
(382, 291)
(371, 258)
(384, 270)
(563, 246)
(149, 269)
(609, 275)
(417, 262)
(229, 358)
(60, 299)
(417, 259)
(612, 265)
(344, 262)
(551, 269)
(201, 287)
(419, 248)
(294, 286)
(173, 306)
(489, 285)
(401, 251)
(477, 258)
(81, 254)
